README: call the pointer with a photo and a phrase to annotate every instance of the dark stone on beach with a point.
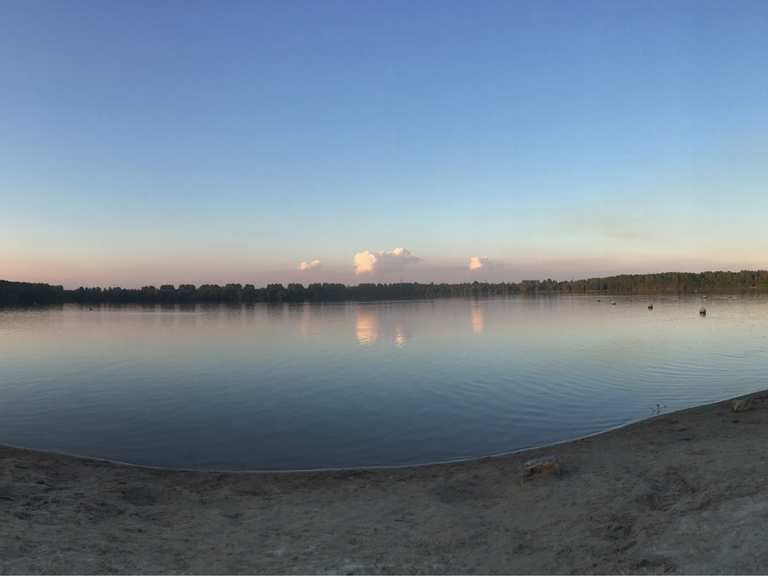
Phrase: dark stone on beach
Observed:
(140, 495)
(6, 492)
(538, 467)
(741, 404)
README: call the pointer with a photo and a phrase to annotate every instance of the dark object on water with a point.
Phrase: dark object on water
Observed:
(650, 306)
(702, 311)
(613, 303)
(541, 467)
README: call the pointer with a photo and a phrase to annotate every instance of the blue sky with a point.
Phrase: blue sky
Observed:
(153, 142)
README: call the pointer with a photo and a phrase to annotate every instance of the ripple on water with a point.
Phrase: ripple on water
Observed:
(373, 384)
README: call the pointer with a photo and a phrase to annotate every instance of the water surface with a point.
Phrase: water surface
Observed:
(313, 386)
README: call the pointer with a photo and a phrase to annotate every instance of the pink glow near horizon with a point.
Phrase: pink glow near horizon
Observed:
(72, 274)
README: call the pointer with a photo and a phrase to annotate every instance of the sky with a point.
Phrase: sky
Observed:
(288, 141)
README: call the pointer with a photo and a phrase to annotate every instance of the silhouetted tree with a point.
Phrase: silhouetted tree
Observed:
(29, 294)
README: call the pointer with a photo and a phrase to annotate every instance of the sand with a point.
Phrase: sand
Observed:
(685, 492)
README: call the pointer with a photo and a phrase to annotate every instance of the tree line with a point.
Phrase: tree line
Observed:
(29, 294)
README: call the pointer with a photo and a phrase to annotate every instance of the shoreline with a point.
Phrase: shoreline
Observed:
(662, 494)
(372, 468)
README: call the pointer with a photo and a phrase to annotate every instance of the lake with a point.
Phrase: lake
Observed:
(363, 384)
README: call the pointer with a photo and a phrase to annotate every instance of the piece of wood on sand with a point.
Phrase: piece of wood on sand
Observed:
(741, 404)
(539, 467)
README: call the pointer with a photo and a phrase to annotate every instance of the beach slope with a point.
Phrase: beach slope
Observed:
(685, 492)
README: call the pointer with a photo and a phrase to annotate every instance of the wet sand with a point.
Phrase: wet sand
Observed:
(684, 492)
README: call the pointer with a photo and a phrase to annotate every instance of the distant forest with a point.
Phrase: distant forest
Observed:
(27, 294)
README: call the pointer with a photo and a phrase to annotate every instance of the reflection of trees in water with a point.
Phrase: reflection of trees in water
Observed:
(478, 319)
(312, 319)
(302, 317)
(275, 312)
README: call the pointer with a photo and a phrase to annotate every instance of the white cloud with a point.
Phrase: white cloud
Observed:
(481, 263)
(309, 265)
(367, 262)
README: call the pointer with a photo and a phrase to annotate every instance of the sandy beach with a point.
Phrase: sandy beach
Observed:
(685, 492)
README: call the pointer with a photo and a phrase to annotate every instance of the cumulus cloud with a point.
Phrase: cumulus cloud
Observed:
(480, 263)
(367, 262)
(309, 265)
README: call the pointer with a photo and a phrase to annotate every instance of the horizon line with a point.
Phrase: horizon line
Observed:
(401, 282)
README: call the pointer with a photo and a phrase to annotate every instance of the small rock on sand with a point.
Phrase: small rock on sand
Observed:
(741, 404)
(5, 492)
(541, 467)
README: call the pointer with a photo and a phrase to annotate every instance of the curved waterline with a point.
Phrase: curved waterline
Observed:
(294, 388)
(468, 460)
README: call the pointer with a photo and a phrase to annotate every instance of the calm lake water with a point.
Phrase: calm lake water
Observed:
(314, 386)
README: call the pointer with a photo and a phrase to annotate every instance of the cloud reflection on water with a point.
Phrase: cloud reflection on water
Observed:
(369, 327)
(478, 319)
(366, 326)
